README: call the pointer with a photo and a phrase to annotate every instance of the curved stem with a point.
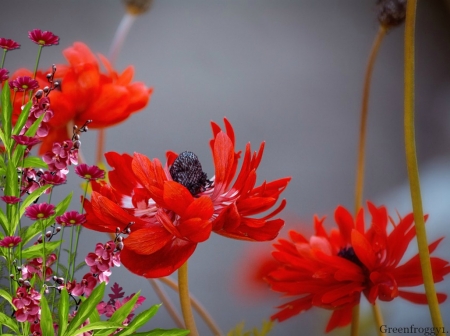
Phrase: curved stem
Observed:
(412, 166)
(185, 302)
(166, 303)
(212, 325)
(119, 37)
(359, 185)
(378, 318)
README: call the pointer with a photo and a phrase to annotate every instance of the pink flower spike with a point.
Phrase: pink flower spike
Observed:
(8, 44)
(25, 140)
(70, 218)
(89, 172)
(10, 241)
(43, 38)
(23, 83)
(4, 75)
(40, 211)
(10, 199)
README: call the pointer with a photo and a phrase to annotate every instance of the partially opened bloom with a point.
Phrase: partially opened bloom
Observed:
(8, 44)
(4, 74)
(332, 270)
(23, 83)
(10, 241)
(10, 199)
(43, 38)
(40, 211)
(90, 173)
(175, 207)
(88, 93)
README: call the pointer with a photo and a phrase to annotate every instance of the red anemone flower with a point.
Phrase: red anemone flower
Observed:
(332, 270)
(86, 92)
(174, 207)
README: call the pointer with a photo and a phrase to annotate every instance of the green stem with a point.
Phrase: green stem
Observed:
(37, 61)
(412, 166)
(79, 230)
(41, 222)
(3, 58)
(185, 301)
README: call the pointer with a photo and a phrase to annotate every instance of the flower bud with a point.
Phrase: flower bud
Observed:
(391, 13)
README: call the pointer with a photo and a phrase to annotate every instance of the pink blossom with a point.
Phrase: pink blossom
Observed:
(43, 38)
(10, 199)
(70, 218)
(23, 83)
(8, 44)
(10, 241)
(90, 173)
(40, 211)
(4, 74)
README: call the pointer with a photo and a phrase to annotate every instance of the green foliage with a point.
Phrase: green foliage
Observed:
(139, 320)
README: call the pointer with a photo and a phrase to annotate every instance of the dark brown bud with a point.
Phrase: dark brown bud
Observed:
(391, 13)
(77, 144)
(39, 94)
(49, 75)
(48, 234)
(46, 89)
(119, 246)
(27, 284)
(58, 228)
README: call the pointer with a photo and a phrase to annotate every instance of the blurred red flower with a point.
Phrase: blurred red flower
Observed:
(175, 207)
(85, 92)
(332, 270)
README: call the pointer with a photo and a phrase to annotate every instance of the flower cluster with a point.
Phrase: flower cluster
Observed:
(27, 301)
(332, 270)
(102, 259)
(173, 208)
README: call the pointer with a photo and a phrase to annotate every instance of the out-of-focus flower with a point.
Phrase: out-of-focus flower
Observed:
(25, 140)
(10, 199)
(175, 207)
(10, 241)
(71, 218)
(35, 266)
(332, 270)
(23, 83)
(8, 44)
(27, 304)
(43, 38)
(40, 211)
(4, 74)
(90, 173)
(86, 92)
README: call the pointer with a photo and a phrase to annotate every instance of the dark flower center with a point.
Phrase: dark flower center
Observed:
(187, 170)
(349, 254)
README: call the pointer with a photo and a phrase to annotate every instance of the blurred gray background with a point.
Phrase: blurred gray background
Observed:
(286, 72)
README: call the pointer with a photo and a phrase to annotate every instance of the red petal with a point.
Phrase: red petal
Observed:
(176, 197)
(161, 263)
(148, 240)
(195, 229)
(363, 249)
(420, 298)
(344, 220)
(340, 318)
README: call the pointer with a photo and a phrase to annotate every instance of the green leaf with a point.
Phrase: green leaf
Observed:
(63, 311)
(121, 314)
(33, 128)
(22, 118)
(86, 309)
(3, 221)
(94, 317)
(3, 138)
(34, 162)
(46, 317)
(139, 320)
(32, 197)
(6, 114)
(9, 322)
(108, 326)
(163, 332)
(4, 294)
(35, 251)
(63, 205)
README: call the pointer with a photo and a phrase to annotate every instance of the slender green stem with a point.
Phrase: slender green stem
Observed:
(79, 230)
(185, 302)
(41, 222)
(3, 58)
(66, 277)
(412, 166)
(37, 61)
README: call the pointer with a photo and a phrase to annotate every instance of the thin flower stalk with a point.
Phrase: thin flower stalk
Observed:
(166, 302)
(212, 325)
(412, 166)
(185, 302)
(359, 185)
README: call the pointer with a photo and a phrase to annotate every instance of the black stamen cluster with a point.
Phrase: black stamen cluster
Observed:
(349, 254)
(187, 170)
